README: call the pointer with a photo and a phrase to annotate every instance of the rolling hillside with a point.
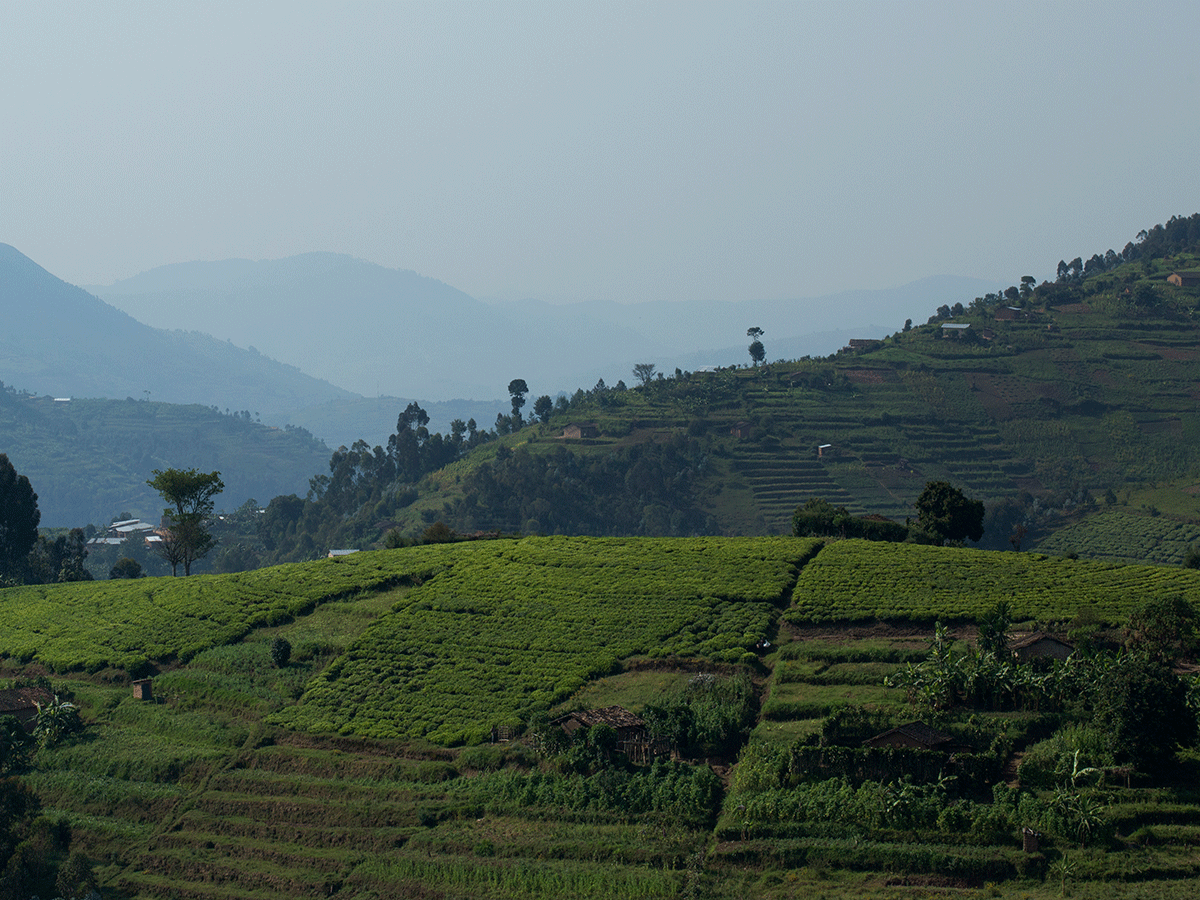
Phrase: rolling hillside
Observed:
(330, 775)
(89, 460)
(1063, 400)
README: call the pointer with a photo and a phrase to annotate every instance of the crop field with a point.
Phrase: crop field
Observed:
(1126, 537)
(854, 581)
(124, 623)
(331, 776)
(517, 626)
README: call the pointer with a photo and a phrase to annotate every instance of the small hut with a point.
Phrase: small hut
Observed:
(22, 703)
(581, 431)
(632, 738)
(1039, 645)
(911, 736)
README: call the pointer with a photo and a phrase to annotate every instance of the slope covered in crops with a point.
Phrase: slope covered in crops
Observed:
(853, 581)
(515, 626)
(124, 623)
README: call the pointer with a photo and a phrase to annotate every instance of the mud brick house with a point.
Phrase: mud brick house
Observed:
(578, 432)
(632, 737)
(1039, 645)
(911, 736)
(23, 704)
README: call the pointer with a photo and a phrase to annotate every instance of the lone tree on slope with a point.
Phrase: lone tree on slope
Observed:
(644, 372)
(517, 389)
(190, 494)
(757, 352)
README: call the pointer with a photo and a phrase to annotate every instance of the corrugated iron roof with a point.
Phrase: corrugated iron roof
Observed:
(613, 716)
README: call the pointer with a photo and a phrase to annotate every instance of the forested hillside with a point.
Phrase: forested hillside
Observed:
(1051, 402)
(89, 460)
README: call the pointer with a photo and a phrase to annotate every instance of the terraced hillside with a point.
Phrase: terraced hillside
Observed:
(247, 780)
(1048, 413)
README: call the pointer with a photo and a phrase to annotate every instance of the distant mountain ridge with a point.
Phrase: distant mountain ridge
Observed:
(376, 330)
(61, 340)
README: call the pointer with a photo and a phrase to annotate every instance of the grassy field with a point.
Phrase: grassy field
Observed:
(219, 789)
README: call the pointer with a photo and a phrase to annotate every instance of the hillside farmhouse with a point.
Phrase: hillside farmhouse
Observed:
(117, 532)
(1039, 645)
(578, 432)
(911, 736)
(632, 738)
(627, 725)
(22, 703)
(1184, 279)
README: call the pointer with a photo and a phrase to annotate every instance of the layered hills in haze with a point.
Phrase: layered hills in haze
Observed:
(375, 330)
(63, 341)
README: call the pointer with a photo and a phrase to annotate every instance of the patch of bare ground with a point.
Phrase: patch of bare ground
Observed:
(1032, 485)
(992, 394)
(1163, 426)
(1175, 353)
(928, 881)
(883, 631)
(870, 376)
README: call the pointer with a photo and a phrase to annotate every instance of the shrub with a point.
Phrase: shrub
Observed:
(1069, 751)
(126, 568)
(281, 652)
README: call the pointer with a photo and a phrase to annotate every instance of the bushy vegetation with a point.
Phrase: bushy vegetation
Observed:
(204, 780)
(333, 770)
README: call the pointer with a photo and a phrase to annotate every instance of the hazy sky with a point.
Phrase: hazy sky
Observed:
(570, 151)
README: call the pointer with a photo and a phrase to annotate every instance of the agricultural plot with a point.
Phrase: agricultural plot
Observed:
(516, 626)
(854, 581)
(200, 795)
(1126, 537)
(785, 479)
(812, 678)
(239, 812)
(124, 623)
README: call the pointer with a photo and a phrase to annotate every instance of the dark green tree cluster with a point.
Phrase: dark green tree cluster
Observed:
(641, 490)
(25, 555)
(947, 516)
(58, 559)
(819, 518)
(353, 503)
(711, 716)
(1138, 704)
(19, 517)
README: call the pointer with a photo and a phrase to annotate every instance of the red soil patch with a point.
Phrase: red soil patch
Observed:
(1169, 352)
(992, 395)
(869, 376)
